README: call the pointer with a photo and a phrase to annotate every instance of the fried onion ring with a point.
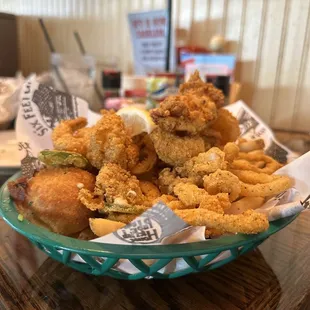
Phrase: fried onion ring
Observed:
(246, 161)
(276, 186)
(251, 145)
(147, 154)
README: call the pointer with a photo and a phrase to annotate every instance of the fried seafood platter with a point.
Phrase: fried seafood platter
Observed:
(191, 158)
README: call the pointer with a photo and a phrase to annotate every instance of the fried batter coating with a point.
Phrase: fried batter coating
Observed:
(197, 87)
(110, 143)
(217, 203)
(52, 201)
(90, 200)
(186, 113)
(70, 135)
(168, 178)
(175, 150)
(150, 190)
(118, 186)
(227, 125)
(147, 155)
(222, 181)
(251, 145)
(231, 151)
(192, 196)
(250, 222)
(247, 161)
(172, 202)
(203, 164)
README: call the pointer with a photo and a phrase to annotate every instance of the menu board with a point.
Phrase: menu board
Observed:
(149, 33)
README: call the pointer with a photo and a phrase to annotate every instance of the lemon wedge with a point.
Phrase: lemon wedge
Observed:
(136, 120)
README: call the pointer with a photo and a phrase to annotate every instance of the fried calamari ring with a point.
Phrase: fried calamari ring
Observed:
(227, 125)
(276, 186)
(247, 146)
(148, 156)
(252, 177)
(183, 148)
(250, 222)
(248, 161)
(66, 136)
(222, 181)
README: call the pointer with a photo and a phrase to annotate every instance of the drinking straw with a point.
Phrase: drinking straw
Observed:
(83, 52)
(52, 50)
(169, 9)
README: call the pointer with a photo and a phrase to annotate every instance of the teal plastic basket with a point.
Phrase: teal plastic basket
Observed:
(102, 259)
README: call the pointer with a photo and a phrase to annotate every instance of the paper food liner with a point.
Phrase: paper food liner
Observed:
(42, 108)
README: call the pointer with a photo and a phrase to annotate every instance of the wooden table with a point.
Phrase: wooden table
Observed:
(275, 276)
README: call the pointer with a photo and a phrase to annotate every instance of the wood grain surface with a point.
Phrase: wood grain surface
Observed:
(275, 276)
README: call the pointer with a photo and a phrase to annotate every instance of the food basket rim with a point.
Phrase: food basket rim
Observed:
(44, 237)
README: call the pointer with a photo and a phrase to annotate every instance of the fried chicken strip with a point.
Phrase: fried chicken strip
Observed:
(250, 222)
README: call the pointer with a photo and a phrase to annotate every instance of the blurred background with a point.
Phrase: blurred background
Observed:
(269, 38)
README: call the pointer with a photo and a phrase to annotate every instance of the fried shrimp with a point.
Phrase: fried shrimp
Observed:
(70, 135)
(249, 222)
(184, 148)
(222, 181)
(110, 143)
(227, 125)
(147, 155)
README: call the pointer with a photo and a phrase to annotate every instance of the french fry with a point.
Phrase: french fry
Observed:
(101, 227)
(244, 204)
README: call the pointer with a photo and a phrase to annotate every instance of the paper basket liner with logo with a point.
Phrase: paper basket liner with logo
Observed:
(157, 243)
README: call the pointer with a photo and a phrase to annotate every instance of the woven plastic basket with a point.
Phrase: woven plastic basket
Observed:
(101, 259)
